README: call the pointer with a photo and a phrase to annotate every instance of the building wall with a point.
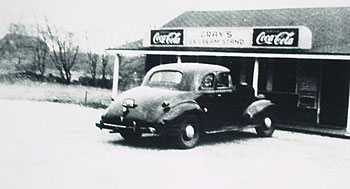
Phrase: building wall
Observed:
(308, 91)
(292, 84)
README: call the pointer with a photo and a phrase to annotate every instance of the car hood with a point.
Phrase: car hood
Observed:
(148, 102)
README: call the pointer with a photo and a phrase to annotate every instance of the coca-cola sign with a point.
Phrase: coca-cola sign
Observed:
(276, 37)
(272, 37)
(167, 37)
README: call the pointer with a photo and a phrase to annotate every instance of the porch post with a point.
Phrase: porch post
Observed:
(178, 59)
(348, 123)
(256, 76)
(115, 76)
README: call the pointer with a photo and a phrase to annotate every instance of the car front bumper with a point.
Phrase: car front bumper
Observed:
(115, 128)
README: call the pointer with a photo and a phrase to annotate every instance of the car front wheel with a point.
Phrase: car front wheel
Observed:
(266, 126)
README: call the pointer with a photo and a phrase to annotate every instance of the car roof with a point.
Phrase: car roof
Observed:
(199, 68)
(192, 73)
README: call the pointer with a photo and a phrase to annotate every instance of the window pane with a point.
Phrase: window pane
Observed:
(208, 81)
(223, 80)
(166, 77)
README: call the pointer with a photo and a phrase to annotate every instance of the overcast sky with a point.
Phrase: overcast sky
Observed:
(110, 23)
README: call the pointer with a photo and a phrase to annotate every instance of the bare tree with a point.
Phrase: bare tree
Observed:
(63, 52)
(92, 61)
(104, 60)
(41, 51)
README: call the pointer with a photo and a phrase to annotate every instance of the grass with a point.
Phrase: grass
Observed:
(54, 92)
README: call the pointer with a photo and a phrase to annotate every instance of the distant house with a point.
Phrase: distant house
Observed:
(297, 57)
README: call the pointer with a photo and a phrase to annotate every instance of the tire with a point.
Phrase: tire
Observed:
(184, 132)
(267, 125)
(130, 135)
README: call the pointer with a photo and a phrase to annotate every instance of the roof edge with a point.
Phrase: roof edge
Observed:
(233, 54)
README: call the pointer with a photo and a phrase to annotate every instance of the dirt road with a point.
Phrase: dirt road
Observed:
(49, 145)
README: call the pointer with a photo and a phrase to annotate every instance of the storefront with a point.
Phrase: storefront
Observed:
(301, 64)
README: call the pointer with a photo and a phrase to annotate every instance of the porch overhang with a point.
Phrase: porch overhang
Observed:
(230, 54)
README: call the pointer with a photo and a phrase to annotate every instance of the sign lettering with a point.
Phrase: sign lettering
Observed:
(283, 37)
(167, 37)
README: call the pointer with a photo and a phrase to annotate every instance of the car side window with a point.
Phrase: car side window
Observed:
(223, 80)
(208, 81)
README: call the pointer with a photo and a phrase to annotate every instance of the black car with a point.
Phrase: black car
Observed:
(182, 101)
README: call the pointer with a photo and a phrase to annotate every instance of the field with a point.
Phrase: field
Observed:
(54, 92)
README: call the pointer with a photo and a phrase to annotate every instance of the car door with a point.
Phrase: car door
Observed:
(216, 89)
(208, 99)
(224, 99)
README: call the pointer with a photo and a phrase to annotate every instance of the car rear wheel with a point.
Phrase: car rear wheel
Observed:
(184, 132)
(130, 135)
(267, 125)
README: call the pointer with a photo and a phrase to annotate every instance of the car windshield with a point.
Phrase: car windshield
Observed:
(166, 79)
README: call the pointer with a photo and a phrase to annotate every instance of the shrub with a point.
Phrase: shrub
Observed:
(88, 81)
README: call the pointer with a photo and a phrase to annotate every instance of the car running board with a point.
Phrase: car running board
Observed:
(230, 128)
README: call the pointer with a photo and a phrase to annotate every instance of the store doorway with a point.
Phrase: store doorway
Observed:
(334, 94)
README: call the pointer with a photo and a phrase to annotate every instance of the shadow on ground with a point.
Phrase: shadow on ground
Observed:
(158, 142)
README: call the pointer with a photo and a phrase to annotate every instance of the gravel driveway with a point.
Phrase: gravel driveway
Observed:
(49, 145)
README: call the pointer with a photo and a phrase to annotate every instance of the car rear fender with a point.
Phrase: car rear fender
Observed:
(180, 109)
(257, 108)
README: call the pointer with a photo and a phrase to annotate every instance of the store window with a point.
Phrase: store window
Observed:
(262, 80)
(284, 76)
(189, 58)
(168, 59)
(265, 81)
(308, 77)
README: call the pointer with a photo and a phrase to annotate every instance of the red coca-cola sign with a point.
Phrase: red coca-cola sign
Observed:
(279, 37)
(167, 37)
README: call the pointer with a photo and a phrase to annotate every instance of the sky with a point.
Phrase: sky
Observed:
(110, 23)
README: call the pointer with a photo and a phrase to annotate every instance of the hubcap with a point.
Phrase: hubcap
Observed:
(268, 122)
(189, 131)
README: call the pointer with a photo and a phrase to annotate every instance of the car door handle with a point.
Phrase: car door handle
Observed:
(219, 95)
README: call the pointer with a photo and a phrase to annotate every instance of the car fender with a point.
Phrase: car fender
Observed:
(180, 109)
(257, 107)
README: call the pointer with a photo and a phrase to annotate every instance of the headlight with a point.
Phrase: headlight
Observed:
(125, 109)
(130, 103)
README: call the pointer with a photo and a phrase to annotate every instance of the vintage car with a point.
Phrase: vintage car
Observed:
(183, 101)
